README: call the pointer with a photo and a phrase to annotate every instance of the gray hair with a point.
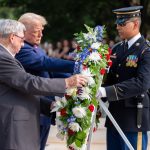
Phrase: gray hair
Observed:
(28, 18)
(138, 19)
(8, 26)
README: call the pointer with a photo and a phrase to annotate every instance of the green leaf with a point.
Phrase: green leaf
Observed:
(89, 28)
(70, 140)
(79, 120)
(81, 135)
(78, 143)
(85, 103)
(85, 124)
(94, 102)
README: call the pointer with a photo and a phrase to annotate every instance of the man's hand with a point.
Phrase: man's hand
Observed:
(76, 81)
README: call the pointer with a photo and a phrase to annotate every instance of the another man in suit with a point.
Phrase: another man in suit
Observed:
(36, 62)
(19, 101)
(127, 83)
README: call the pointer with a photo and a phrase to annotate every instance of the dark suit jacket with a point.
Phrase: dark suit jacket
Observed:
(19, 108)
(36, 62)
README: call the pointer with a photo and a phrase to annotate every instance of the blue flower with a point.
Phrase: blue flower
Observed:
(99, 33)
(71, 119)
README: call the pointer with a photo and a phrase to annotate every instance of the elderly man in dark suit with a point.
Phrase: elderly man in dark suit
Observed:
(19, 101)
(35, 61)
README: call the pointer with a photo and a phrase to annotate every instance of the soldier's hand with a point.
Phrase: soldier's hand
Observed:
(101, 92)
(76, 81)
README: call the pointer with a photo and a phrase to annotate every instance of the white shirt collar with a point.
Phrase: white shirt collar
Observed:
(7, 50)
(133, 40)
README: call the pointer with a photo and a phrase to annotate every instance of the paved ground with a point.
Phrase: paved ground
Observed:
(98, 140)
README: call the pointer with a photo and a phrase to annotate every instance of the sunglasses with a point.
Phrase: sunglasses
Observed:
(123, 24)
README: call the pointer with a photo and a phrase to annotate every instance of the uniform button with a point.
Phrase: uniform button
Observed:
(117, 75)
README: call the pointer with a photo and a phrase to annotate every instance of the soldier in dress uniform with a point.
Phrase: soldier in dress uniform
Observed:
(127, 83)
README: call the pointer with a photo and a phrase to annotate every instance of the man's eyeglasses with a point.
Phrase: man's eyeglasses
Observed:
(22, 38)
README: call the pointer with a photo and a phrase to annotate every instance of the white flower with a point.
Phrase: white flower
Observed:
(60, 126)
(60, 136)
(57, 106)
(94, 56)
(79, 112)
(89, 36)
(95, 45)
(91, 81)
(71, 92)
(64, 101)
(85, 35)
(59, 103)
(84, 147)
(85, 94)
(74, 126)
(88, 74)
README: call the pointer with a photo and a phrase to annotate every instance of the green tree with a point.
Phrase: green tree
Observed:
(67, 17)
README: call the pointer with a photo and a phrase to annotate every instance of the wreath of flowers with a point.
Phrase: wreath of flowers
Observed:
(76, 109)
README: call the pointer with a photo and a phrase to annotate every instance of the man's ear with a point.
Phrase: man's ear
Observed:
(11, 38)
(136, 24)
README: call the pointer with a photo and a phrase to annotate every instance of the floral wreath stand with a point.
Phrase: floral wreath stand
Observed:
(78, 111)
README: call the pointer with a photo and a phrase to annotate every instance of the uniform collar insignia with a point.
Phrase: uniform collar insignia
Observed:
(121, 43)
(137, 44)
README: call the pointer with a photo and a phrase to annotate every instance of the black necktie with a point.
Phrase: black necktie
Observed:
(125, 45)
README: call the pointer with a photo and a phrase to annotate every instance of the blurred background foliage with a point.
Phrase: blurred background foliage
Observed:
(66, 17)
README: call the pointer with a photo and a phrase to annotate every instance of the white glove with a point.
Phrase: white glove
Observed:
(101, 92)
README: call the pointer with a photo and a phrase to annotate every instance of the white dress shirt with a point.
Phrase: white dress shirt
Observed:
(133, 40)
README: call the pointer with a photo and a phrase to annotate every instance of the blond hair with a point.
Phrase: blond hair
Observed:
(29, 18)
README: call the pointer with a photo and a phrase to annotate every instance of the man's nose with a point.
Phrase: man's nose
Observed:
(40, 34)
(117, 26)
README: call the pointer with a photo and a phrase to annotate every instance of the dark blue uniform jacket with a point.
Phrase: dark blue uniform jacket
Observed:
(129, 77)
